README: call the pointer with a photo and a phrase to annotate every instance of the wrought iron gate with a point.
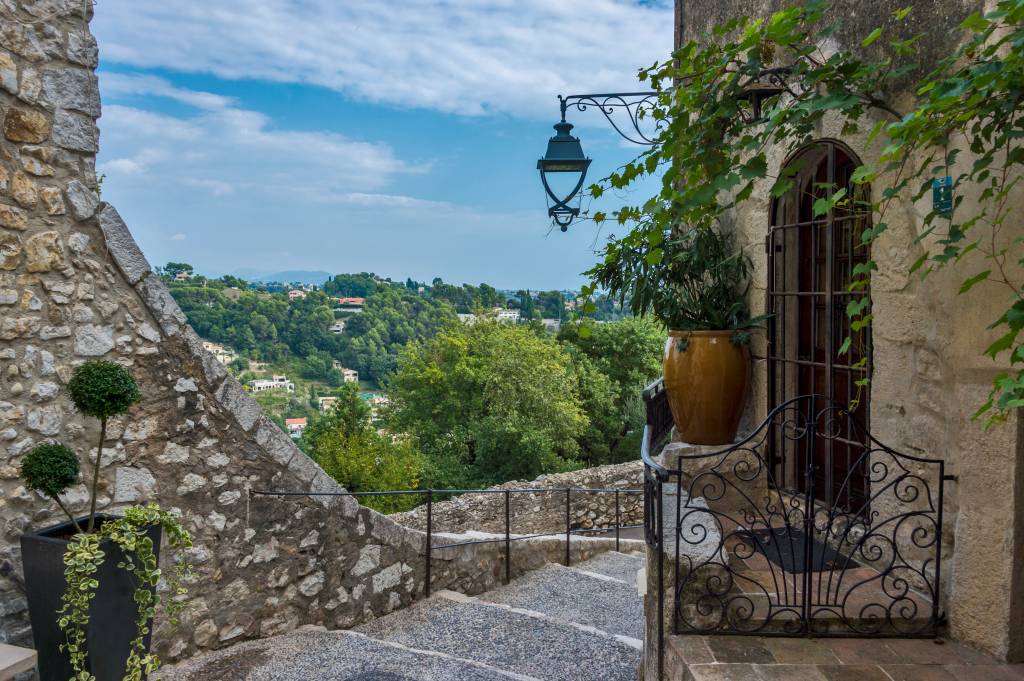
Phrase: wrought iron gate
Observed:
(748, 557)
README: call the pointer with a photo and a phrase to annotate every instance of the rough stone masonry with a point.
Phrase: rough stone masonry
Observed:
(73, 287)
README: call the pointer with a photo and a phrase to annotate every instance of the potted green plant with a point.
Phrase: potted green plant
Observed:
(696, 285)
(91, 581)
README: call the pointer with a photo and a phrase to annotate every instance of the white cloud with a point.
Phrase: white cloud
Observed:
(470, 57)
(216, 142)
(178, 237)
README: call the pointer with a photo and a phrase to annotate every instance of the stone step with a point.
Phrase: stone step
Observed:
(622, 566)
(572, 595)
(514, 641)
(331, 656)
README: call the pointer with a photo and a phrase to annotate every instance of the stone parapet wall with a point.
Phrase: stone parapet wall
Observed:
(543, 511)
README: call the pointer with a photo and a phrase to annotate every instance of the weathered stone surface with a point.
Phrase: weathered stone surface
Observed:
(8, 73)
(161, 304)
(45, 420)
(24, 125)
(133, 484)
(12, 217)
(124, 249)
(23, 190)
(52, 200)
(173, 453)
(83, 201)
(72, 88)
(75, 132)
(243, 408)
(44, 252)
(93, 341)
(10, 251)
(82, 49)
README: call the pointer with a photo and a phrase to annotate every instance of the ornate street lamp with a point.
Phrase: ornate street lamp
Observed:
(565, 155)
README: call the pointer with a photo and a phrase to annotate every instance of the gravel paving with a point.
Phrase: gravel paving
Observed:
(622, 566)
(508, 640)
(326, 656)
(572, 596)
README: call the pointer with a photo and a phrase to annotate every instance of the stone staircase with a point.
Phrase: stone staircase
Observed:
(557, 623)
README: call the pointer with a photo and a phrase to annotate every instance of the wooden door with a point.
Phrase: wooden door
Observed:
(811, 262)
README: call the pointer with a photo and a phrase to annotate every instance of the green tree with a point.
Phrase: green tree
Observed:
(173, 269)
(488, 402)
(350, 450)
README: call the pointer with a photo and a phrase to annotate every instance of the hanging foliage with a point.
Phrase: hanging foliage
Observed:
(711, 153)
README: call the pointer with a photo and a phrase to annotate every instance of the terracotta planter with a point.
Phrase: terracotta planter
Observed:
(706, 385)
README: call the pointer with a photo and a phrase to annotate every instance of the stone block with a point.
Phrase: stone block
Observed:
(84, 201)
(12, 217)
(82, 49)
(72, 88)
(93, 341)
(122, 246)
(133, 484)
(8, 74)
(75, 132)
(243, 408)
(10, 251)
(44, 252)
(24, 125)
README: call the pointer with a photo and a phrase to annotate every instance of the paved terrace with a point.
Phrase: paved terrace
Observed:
(750, 658)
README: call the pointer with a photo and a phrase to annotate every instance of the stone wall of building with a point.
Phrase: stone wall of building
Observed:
(928, 371)
(73, 287)
(532, 512)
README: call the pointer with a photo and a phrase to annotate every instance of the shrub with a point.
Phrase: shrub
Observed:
(103, 389)
(50, 468)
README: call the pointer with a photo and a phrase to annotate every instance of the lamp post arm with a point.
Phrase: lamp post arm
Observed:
(635, 104)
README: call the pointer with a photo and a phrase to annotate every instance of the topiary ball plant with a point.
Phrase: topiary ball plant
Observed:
(51, 468)
(102, 389)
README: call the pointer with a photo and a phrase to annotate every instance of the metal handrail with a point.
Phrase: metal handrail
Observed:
(508, 537)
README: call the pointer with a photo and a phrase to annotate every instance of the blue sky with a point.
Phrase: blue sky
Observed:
(399, 137)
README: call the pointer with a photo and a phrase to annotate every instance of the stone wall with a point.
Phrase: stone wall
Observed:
(929, 374)
(74, 286)
(542, 511)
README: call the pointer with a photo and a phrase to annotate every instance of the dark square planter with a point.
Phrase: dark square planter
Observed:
(112, 611)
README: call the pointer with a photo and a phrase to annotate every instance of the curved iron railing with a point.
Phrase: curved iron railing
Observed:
(753, 558)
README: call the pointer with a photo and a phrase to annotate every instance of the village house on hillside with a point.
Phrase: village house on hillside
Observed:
(276, 382)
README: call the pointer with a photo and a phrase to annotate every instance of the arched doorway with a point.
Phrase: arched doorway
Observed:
(810, 267)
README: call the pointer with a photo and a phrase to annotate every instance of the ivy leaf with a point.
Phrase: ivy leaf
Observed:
(975, 22)
(655, 256)
(971, 281)
(872, 37)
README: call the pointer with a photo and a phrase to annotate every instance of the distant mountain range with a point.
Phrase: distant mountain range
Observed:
(317, 277)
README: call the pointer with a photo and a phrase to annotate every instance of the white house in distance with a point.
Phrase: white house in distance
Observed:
(326, 403)
(296, 293)
(350, 375)
(260, 385)
(505, 315)
(223, 353)
(295, 427)
(338, 326)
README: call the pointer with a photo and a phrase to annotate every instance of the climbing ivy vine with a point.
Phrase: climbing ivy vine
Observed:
(711, 156)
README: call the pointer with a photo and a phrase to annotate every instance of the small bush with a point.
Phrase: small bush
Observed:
(103, 389)
(50, 468)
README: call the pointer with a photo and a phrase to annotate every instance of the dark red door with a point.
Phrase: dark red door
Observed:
(811, 261)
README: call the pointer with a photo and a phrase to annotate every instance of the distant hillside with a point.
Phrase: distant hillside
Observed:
(317, 277)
